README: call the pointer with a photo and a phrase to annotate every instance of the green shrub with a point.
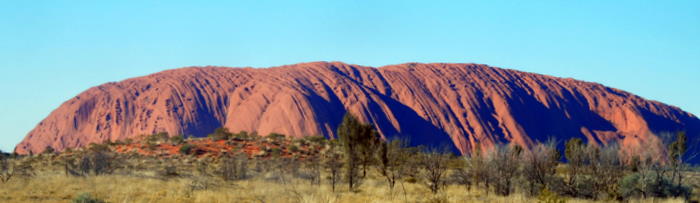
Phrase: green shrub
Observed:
(220, 134)
(243, 135)
(186, 149)
(275, 152)
(649, 185)
(86, 198)
(276, 136)
(177, 139)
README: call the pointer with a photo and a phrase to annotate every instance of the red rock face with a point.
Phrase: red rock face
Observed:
(461, 105)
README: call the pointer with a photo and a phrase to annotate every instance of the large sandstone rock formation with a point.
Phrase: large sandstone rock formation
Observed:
(461, 105)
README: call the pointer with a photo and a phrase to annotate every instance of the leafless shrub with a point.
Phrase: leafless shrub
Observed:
(478, 168)
(434, 167)
(606, 169)
(539, 167)
(234, 167)
(203, 167)
(392, 159)
(332, 157)
(504, 163)
(92, 162)
(652, 177)
(282, 168)
(312, 170)
(169, 169)
(102, 163)
(262, 166)
(10, 168)
(463, 174)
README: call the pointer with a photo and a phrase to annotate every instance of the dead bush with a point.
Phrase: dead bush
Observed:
(311, 170)
(234, 167)
(539, 168)
(504, 163)
(434, 167)
(11, 168)
(92, 162)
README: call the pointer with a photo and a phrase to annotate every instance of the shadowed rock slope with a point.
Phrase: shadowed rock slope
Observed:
(459, 105)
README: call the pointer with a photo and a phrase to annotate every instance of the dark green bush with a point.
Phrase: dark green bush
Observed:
(275, 152)
(243, 135)
(294, 148)
(186, 149)
(49, 150)
(220, 134)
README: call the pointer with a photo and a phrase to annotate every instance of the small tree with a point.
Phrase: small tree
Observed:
(575, 155)
(464, 174)
(95, 161)
(478, 168)
(356, 139)
(676, 150)
(49, 150)
(505, 164)
(605, 168)
(332, 162)
(434, 167)
(392, 157)
(17, 168)
(651, 177)
(368, 148)
(102, 163)
(539, 167)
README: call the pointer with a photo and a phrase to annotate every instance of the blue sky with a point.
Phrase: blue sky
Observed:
(53, 50)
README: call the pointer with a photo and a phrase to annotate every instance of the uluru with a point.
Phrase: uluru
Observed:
(459, 105)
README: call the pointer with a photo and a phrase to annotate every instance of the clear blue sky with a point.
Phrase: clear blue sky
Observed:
(52, 50)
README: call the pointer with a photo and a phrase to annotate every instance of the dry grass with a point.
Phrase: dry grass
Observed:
(56, 187)
(141, 179)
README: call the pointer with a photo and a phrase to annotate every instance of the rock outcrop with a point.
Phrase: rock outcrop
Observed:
(461, 105)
